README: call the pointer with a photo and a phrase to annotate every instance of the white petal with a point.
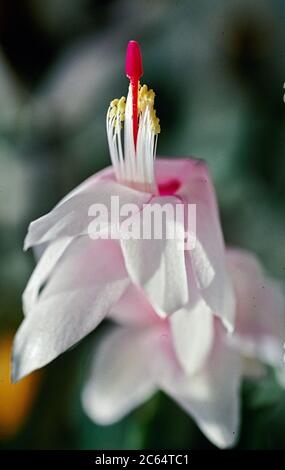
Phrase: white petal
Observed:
(89, 279)
(120, 379)
(209, 265)
(107, 174)
(41, 273)
(193, 330)
(211, 396)
(70, 217)
(193, 334)
(208, 259)
(158, 265)
(133, 309)
(260, 320)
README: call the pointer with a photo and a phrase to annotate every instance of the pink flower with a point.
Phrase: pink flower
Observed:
(78, 281)
(144, 353)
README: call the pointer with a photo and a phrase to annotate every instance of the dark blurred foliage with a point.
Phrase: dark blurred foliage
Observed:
(218, 69)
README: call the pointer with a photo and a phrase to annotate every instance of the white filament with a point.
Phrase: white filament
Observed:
(133, 166)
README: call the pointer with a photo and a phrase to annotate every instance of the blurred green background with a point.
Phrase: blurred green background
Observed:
(218, 69)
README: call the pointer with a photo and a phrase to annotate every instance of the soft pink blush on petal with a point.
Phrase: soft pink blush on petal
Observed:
(174, 171)
(46, 264)
(260, 324)
(133, 309)
(87, 281)
(157, 265)
(107, 174)
(144, 360)
(208, 258)
(192, 329)
(71, 216)
(211, 396)
(119, 379)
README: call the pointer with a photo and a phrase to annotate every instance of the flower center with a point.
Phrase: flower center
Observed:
(169, 187)
(132, 129)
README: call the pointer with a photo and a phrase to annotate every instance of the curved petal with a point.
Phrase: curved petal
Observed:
(41, 273)
(107, 174)
(193, 335)
(133, 309)
(208, 258)
(157, 263)
(179, 169)
(260, 322)
(89, 279)
(120, 378)
(211, 396)
(70, 218)
(193, 330)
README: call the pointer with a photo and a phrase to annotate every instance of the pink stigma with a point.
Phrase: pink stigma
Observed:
(134, 68)
(134, 71)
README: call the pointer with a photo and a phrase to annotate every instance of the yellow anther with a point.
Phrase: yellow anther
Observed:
(113, 112)
(122, 105)
(114, 102)
(150, 96)
(146, 99)
(116, 112)
(143, 92)
(144, 88)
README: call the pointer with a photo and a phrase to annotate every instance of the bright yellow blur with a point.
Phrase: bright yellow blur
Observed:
(15, 399)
